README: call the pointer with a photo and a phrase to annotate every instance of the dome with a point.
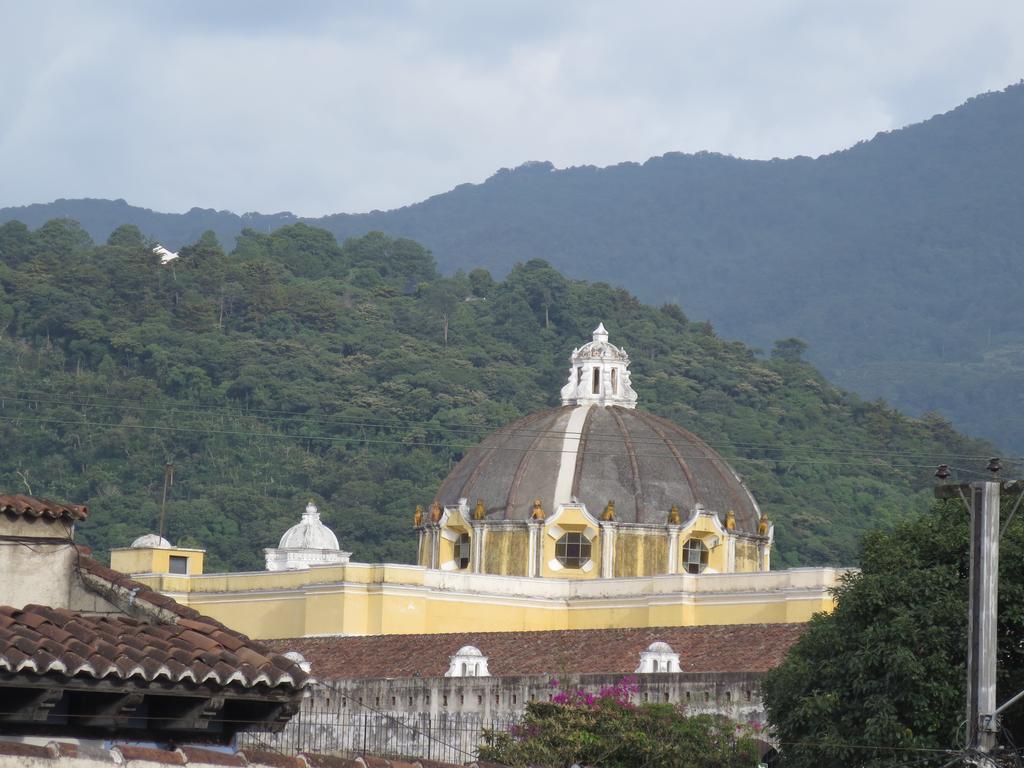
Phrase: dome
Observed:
(596, 449)
(151, 541)
(659, 647)
(309, 533)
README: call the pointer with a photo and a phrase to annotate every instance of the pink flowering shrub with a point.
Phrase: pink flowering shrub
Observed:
(607, 728)
(621, 693)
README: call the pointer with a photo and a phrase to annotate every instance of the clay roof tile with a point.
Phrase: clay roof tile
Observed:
(271, 759)
(148, 754)
(179, 645)
(28, 506)
(199, 756)
(727, 648)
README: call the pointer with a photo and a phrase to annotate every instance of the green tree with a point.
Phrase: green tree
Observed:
(442, 298)
(127, 236)
(790, 350)
(884, 674)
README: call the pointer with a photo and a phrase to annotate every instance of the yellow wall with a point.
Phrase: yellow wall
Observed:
(360, 599)
(154, 559)
(640, 554)
(506, 552)
(747, 556)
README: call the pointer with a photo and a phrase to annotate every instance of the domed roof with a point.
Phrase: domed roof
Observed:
(595, 453)
(309, 533)
(659, 646)
(151, 540)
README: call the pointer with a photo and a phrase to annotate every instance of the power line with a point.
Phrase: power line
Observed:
(878, 461)
(510, 432)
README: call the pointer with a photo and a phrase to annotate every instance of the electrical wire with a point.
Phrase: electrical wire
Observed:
(524, 431)
(877, 461)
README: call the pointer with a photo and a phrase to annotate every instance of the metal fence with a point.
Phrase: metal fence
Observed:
(447, 737)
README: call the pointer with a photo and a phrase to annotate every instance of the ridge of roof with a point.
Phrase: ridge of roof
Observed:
(30, 506)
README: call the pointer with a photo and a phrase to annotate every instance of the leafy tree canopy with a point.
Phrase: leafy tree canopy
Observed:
(293, 367)
(897, 260)
(882, 679)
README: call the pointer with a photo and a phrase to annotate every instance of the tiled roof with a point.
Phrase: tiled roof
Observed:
(32, 507)
(720, 648)
(44, 640)
(155, 639)
(126, 754)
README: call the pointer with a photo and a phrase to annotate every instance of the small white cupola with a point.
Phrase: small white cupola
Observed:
(599, 374)
(308, 542)
(659, 657)
(151, 541)
(468, 661)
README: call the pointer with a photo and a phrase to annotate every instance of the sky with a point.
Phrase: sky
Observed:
(324, 107)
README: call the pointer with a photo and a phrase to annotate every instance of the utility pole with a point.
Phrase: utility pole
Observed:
(168, 482)
(982, 499)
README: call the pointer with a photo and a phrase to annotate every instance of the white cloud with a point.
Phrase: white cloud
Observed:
(323, 107)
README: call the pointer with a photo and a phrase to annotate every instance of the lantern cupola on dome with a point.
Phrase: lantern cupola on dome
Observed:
(599, 374)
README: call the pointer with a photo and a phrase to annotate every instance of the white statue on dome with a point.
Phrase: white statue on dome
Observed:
(308, 542)
(599, 374)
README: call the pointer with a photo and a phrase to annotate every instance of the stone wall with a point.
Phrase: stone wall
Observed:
(735, 695)
(443, 717)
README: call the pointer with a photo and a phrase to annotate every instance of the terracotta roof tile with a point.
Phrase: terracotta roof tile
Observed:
(197, 756)
(162, 756)
(133, 754)
(330, 761)
(200, 647)
(114, 645)
(17, 749)
(272, 759)
(718, 648)
(28, 506)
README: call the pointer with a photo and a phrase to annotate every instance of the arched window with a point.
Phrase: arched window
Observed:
(573, 550)
(597, 381)
(615, 381)
(462, 551)
(695, 556)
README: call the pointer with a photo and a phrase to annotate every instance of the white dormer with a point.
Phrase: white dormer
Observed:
(599, 374)
(659, 657)
(468, 661)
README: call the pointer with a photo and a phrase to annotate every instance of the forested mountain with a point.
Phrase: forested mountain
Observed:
(294, 368)
(898, 259)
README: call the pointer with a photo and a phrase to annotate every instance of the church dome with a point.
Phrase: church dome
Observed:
(598, 448)
(309, 533)
(151, 541)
